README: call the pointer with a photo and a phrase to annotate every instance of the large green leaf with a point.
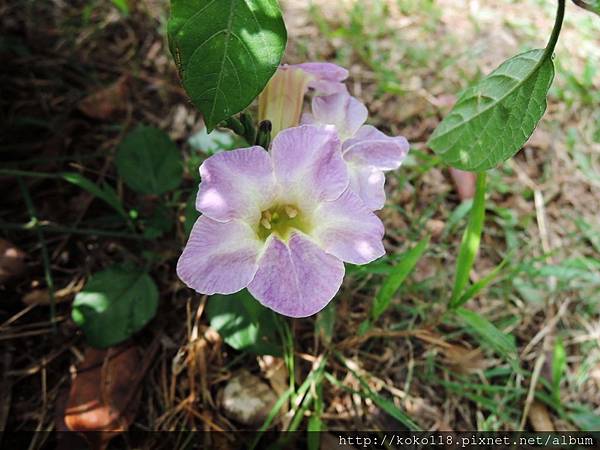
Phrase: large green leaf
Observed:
(149, 161)
(226, 51)
(494, 118)
(114, 304)
(244, 323)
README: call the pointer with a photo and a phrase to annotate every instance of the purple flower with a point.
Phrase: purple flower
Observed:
(281, 223)
(282, 100)
(367, 151)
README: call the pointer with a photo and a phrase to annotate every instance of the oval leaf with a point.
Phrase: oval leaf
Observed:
(149, 161)
(494, 118)
(225, 51)
(243, 323)
(114, 304)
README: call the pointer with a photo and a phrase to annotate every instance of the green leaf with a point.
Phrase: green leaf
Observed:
(104, 192)
(114, 304)
(149, 161)
(492, 336)
(244, 323)
(494, 118)
(396, 278)
(226, 51)
(590, 5)
(469, 245)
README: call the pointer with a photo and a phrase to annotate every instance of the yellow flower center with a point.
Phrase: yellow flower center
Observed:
(282, 220)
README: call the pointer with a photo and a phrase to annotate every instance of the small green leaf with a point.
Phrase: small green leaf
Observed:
(396, 278)
(469, 245)
(494, 118)
(149, 161)
(244, 323)
(492, 336)
(226, 51)
(114, 304)
(590, 5)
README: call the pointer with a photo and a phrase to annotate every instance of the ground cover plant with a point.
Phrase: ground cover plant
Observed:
(477, 309)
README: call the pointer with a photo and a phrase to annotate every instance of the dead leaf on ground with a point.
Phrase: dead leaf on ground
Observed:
(464, 183)
(107, 101)
(466, 360)
(104, 394)
(12, 261)
(539, 417)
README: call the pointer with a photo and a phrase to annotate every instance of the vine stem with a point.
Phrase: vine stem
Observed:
(560, 16)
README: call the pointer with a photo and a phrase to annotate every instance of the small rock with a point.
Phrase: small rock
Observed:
(435, 227)
(247, 399)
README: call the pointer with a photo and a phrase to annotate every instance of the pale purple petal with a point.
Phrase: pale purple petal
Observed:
(368, 183)
(308, 164)
(236, 184)
(326, 78)
(343, 111)
(347, 229)
(373, 148)
(298, 279)
(219, 257)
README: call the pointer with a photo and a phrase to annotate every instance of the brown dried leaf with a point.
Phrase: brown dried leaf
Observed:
(539, 417)
(12, 261)
(104, 394)
(464, 182)
(104, 103)
(466, 360)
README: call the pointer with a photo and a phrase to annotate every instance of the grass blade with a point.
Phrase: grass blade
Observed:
(470, 242)
(396, 278)
(492, 336)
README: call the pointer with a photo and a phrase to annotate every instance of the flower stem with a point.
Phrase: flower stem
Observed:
(560, 15)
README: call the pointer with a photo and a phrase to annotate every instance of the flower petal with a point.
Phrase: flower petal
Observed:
(368, 183)
(343, 111)
(326, 79)
(373, 148)
(219, 257)
(308, 164)
(298, 279)
(236, 184)
(346, 228)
